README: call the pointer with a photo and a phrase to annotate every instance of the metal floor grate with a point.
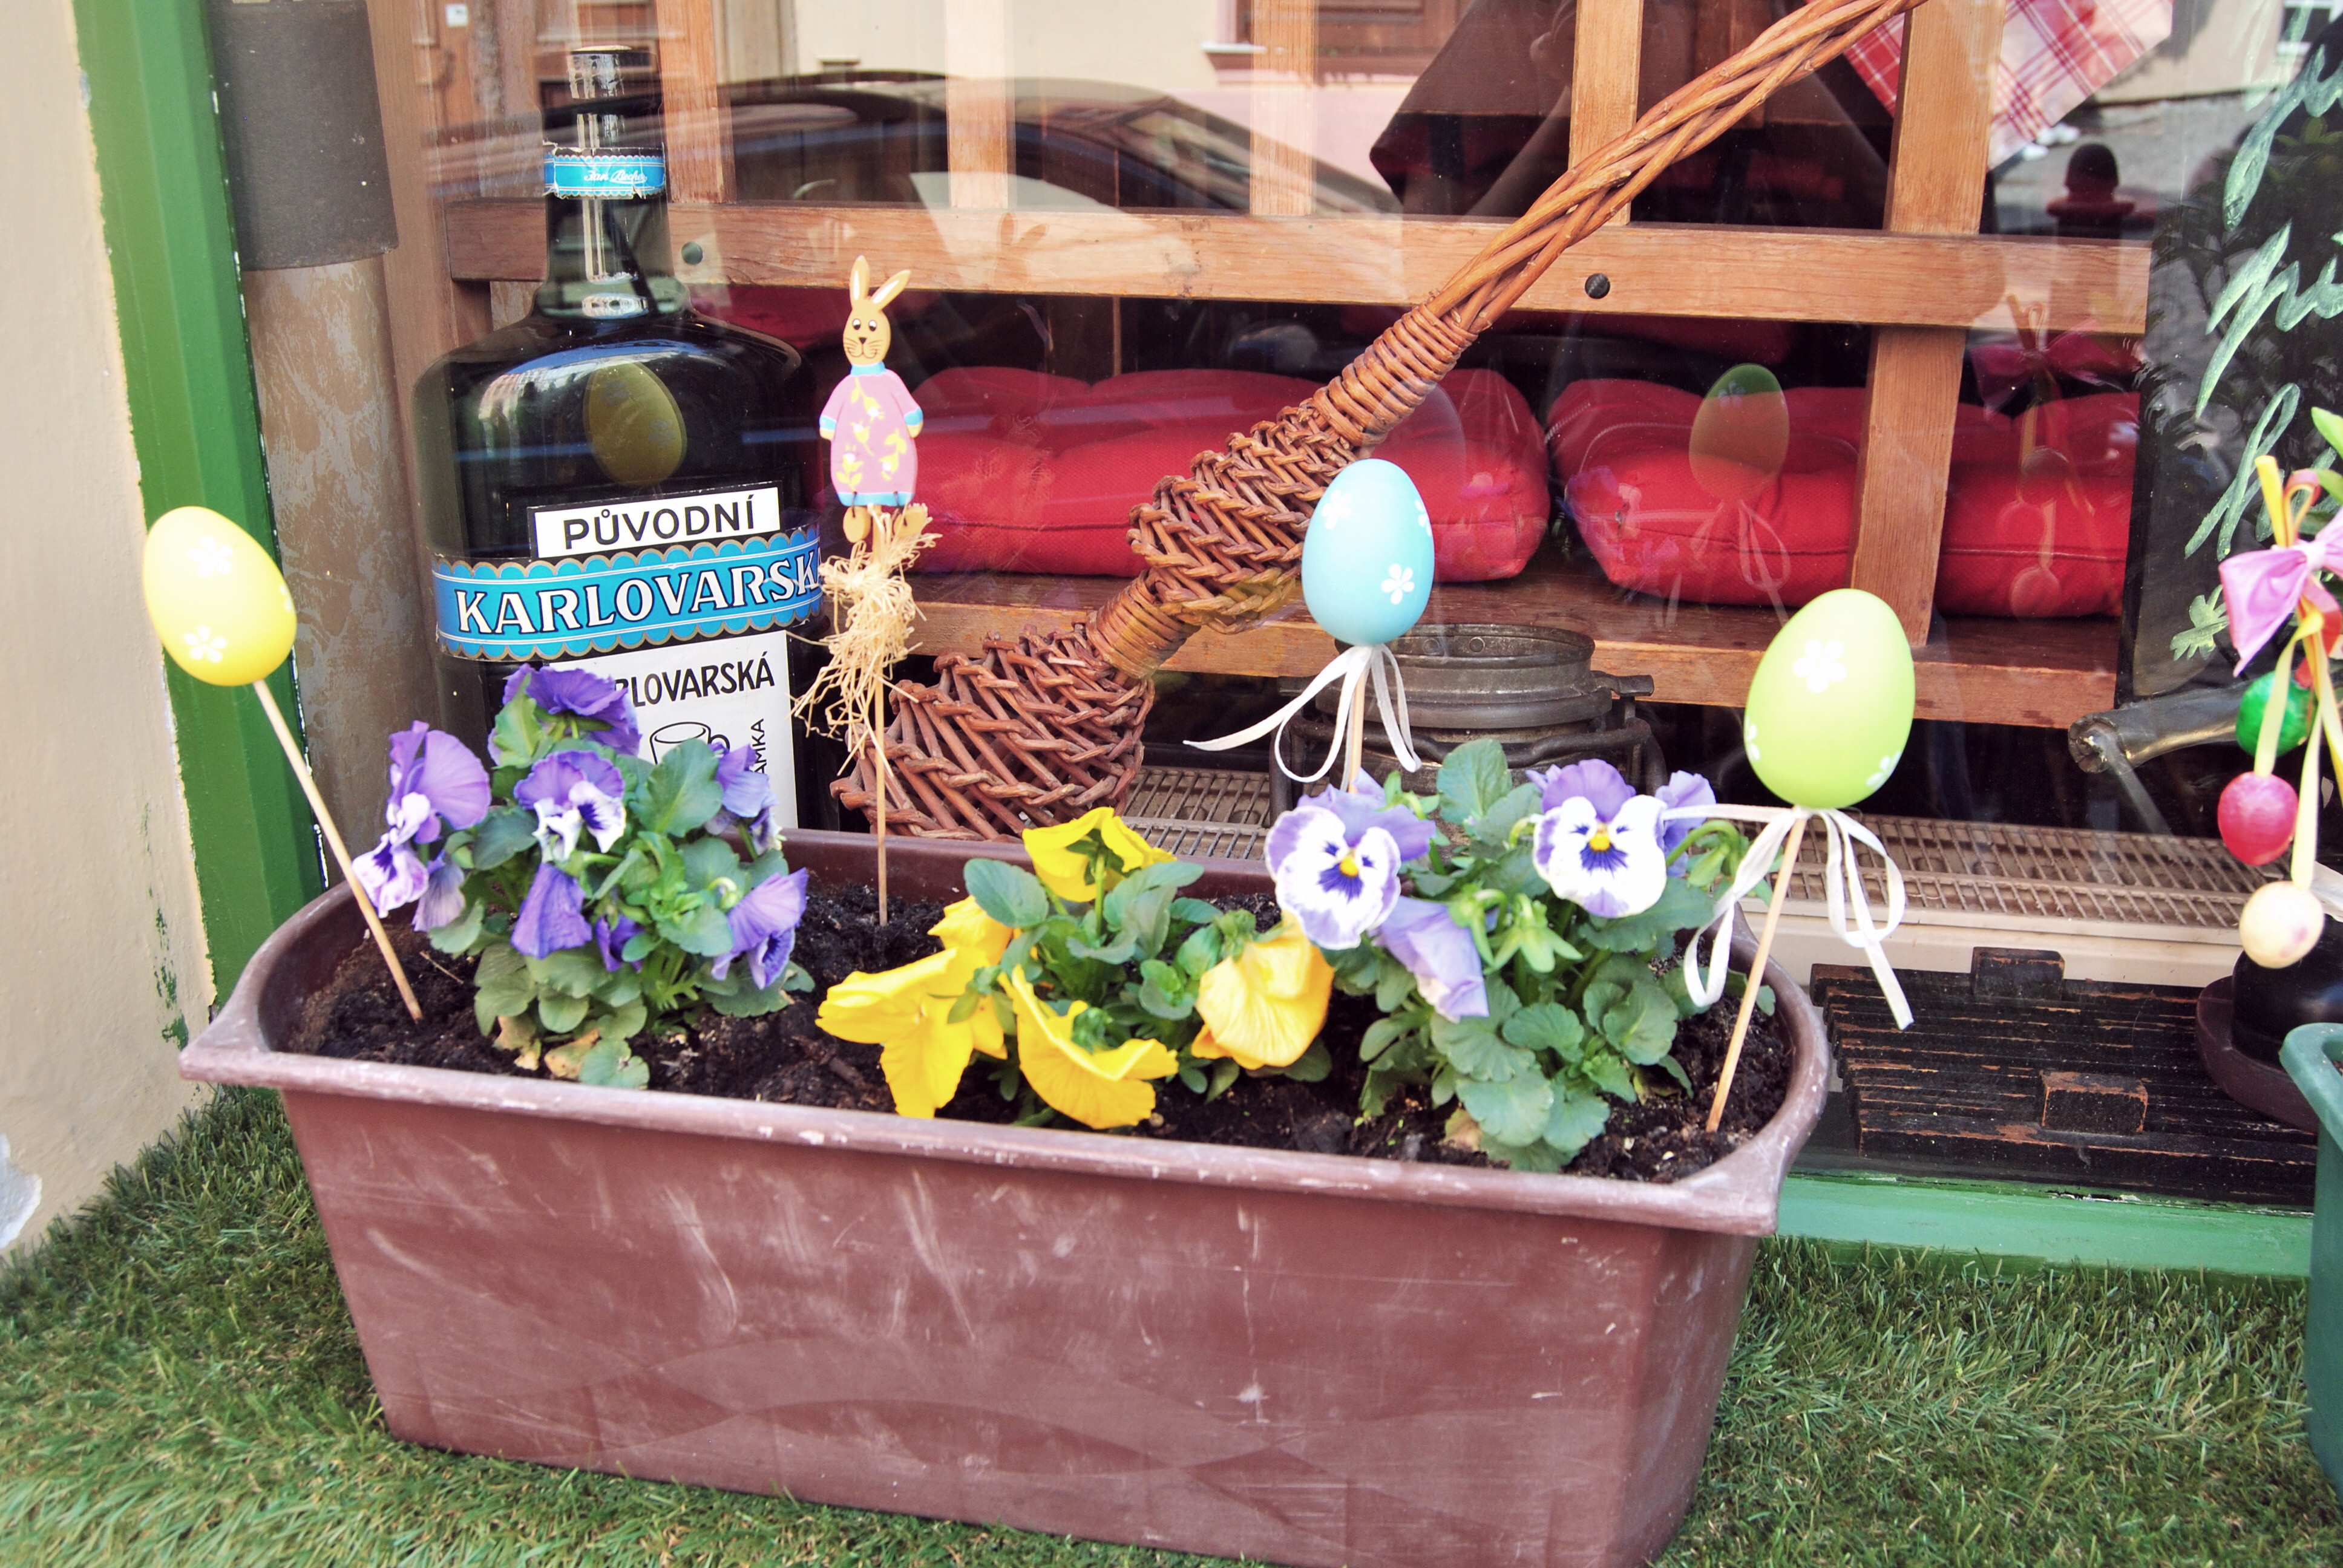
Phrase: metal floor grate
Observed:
(1956, 868)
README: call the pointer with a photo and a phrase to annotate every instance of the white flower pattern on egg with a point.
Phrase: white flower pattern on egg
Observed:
(1821, 668)
(1334, 510)
(1886, 766)
(204, 643)
(1749, 740)
(212, 558)
(1399, 582)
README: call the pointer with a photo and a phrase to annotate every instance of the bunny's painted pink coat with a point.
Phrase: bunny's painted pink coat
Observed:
(870, 422)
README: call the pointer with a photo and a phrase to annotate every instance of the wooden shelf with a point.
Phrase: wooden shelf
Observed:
(1657, 270)
(2034, 672)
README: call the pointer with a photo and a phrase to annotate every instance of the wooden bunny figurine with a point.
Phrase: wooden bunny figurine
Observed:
(870, 421)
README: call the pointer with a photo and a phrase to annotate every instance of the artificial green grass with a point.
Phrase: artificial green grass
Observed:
(179, 1384)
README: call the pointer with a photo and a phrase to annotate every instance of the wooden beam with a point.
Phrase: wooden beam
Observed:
(979, 103)
(2035, 672)
(692, 78)
(1655, 269)
(1284, 106)
(1935, 185)
(1606, 70)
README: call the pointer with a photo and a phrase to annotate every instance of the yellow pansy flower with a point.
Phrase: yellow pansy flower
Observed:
(1264, 1007)
(974, 937)
(907, 1011)
(1065, 873)
(1097, 1088)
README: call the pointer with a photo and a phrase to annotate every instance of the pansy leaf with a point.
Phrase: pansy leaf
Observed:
(1164, 992)
(561, 1013)
(502, 834)
(1643, 1022)
(1194, 1078)
(1494, 824)
(1115, 952)
(618, 987)
(572, 971)
(502, 986)
(1195, 911)
(458, 934)
(1379, 1037)
(518, 734)
(1473, 778)
(681, 792)
(1474, 1047)
(1680, 908)
(1513, 1110)
(1313, 1064)
(708, 861)
(1224, 1073)
(1010, 894)
(1201, 951)
(1576, 1120)
(1546, 1026)
(1610, 1075)
(2329, 427)
(612, 1065)
(703, 931)
(746, 1000)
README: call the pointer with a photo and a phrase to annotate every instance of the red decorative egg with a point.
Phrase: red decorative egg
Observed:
(2257, 817)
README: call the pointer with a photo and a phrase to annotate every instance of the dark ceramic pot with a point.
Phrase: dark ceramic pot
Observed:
(1304, 1357)
(2269, 1004)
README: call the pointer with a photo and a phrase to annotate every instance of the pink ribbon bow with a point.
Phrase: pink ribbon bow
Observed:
(2263, 589)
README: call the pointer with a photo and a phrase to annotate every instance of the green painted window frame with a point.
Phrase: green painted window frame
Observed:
(195, 423)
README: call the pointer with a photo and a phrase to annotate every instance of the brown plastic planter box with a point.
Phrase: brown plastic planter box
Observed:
(1307, 1358)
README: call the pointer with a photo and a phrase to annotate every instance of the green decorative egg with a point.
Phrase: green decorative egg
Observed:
(1830, 706)
(632, 423)
(1741, 436)
(2292, 729)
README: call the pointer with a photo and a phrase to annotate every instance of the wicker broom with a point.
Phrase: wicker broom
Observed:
(1042, 728)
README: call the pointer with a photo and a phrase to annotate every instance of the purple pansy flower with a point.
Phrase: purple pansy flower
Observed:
(442, 899)
(748, 794)
(611, 937)
(1610, 862)
(1682, 789)
(1595, 780)
(1339, 884)
(764, 928)
(1442, 956)
(1362, 807)
(552, 917)
(434, 781)
(571, 790)
(585, 695)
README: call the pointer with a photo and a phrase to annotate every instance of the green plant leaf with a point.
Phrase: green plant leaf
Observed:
(1313, 1064)
(1547, 1026)
(1164, 991)
(559, 1014)
(1379, 1038)
(1010, 894)
(1194, 1078)
(1195, 911)
(501, 835)
(1201, 951)
(703, 931)
(1474, 1047)
(1610, 1075)
(747, 1002)
(572, 971)
(1576, 1121)
(1680, 908)
(1473, 779)
(708, 861)
(612, 1065)
(1643, 1022)
(681, 792)
(518, 734)
(2329, 427)
(1494, 824)
(1514, 1110)
(458, 934)
(1393, 986)
(1224, 1072)
(501, 986)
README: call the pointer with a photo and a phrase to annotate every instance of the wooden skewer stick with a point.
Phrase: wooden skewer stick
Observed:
(878, 778)
(1354, 744)
(1757, 970)
(334, 842)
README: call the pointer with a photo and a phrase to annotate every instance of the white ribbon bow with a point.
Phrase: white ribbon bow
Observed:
(1842, 887)
(1352, 667)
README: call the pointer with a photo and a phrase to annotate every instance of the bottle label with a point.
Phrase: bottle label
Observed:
(587, 604)
(611, 175)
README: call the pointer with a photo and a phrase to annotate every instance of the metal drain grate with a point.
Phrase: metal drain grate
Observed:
(1957, 867)
(2051, 873)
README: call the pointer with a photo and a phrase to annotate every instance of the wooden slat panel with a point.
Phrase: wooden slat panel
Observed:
(2042, 672)
(691, 73)
(1283, 106)
(1658, 269)
(1935, 185)
(977, 108)
(1605, 71)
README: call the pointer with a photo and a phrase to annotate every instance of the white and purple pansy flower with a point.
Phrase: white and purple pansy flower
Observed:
(1441, 955)
(748, 794)
(1610, 863)
(573, 791)
(764, 928)
(1338, 886)
(436, 783)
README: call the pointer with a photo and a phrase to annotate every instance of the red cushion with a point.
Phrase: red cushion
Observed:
(2030, 537)
(1027, 472)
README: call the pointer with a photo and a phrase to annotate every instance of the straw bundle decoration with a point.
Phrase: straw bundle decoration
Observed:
(1041, 728)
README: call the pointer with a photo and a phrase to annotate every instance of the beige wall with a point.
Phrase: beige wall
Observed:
(101, 948)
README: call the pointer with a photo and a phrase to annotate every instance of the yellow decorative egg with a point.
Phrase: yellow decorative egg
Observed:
(218, 601)
(1830, 706)
(632, 423)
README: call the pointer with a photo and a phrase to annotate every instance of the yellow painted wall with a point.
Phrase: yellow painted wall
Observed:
(102, 961)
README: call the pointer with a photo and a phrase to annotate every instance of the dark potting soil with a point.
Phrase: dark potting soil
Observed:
(783, 1058)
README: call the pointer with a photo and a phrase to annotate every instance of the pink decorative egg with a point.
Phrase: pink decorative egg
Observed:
(2281, 922)
(2256, 816)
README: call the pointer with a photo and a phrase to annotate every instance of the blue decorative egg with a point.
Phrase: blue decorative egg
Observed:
(1366, 561)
